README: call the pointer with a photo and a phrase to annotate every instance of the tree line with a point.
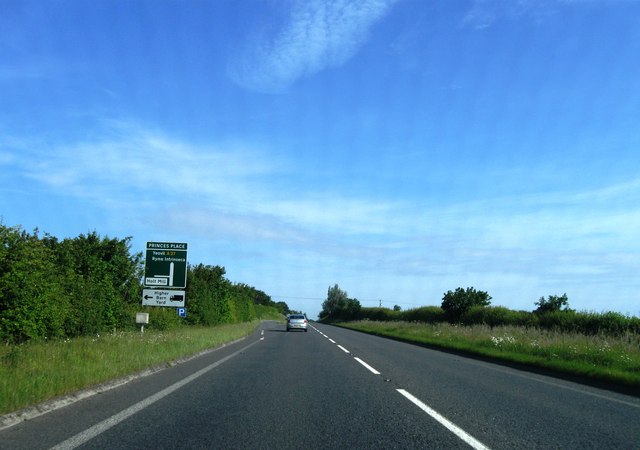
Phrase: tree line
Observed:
(52, 288)
(468, 306)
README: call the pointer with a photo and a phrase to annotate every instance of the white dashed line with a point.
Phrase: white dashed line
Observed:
(466, 437)
(371, 369)
(459, 432)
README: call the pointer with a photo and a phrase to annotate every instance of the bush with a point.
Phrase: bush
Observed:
(427, 314)
(89, 284)
(497, 316)
(32, 300)
(162, 319)
(558, 320)
(378, 314)
(455, 304)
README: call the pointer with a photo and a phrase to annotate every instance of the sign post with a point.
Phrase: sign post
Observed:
(163, 297)
(165, 271)
(166, 265)
(142, 319)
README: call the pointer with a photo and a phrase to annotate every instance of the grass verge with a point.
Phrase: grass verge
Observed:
(37, 371)
(599, 358)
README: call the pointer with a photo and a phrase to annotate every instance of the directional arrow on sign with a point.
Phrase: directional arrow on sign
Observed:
(162, 297)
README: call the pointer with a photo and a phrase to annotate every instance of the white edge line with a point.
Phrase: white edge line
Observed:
(371, 369)
(466, 437)
(101, 427)
(343, 349)
(14, 418)
(332, 341)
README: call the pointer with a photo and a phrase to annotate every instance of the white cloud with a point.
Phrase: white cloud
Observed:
(318, 35)
(127, 159)
(222, 194)
(485, 13)
(224, 187)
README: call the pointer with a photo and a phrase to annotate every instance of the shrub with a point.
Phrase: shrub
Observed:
(378, 314)
(456, 303)
(494, 316)
(163, 319)
(427, 314)
(32, 300)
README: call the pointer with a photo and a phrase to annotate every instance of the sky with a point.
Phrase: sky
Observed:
(399, 149)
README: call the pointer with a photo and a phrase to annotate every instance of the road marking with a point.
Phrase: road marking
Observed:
(473, 442)
(343, 349)
(564, 386)
(371, 369)
(332, 341)
(101, 427)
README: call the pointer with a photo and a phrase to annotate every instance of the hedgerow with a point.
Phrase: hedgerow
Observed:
(587, 323)
(87, 285)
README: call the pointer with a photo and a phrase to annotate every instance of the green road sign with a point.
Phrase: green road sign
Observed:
(166, 265)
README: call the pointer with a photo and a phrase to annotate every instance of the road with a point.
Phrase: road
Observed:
(336, 388)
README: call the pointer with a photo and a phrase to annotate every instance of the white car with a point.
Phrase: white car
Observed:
(297, 322)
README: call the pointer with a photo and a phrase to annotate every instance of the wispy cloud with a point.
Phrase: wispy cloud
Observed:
(224, 186)
(128, 159)
(223, 193)
(228, 186)
(485, 13)
(319, 34)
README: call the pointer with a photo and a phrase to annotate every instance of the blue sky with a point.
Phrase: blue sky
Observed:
(398, 148)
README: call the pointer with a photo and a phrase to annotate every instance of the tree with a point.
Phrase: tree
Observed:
(32, 300)
(457, 303)
(336, 301)
(338, 306)
(207, 291)
(553, 303)
(351, 309)
(283, 308)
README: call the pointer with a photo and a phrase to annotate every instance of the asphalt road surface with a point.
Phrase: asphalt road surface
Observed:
(335, 388)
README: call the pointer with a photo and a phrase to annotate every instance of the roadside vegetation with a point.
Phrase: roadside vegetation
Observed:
(600, 357)
(59, 289)
(598, 346)
(37, 370)
(68, 308)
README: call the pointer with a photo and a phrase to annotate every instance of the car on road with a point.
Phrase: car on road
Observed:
(297, 322)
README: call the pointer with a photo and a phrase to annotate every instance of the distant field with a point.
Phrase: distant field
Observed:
(607, 358)
(37, 371)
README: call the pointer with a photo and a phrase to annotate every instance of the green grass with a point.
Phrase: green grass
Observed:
(603, 358)
(38, 371)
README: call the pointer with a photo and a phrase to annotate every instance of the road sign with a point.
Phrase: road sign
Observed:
(160, 297)
(142, 318)
(182, 312)
(166, 265)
